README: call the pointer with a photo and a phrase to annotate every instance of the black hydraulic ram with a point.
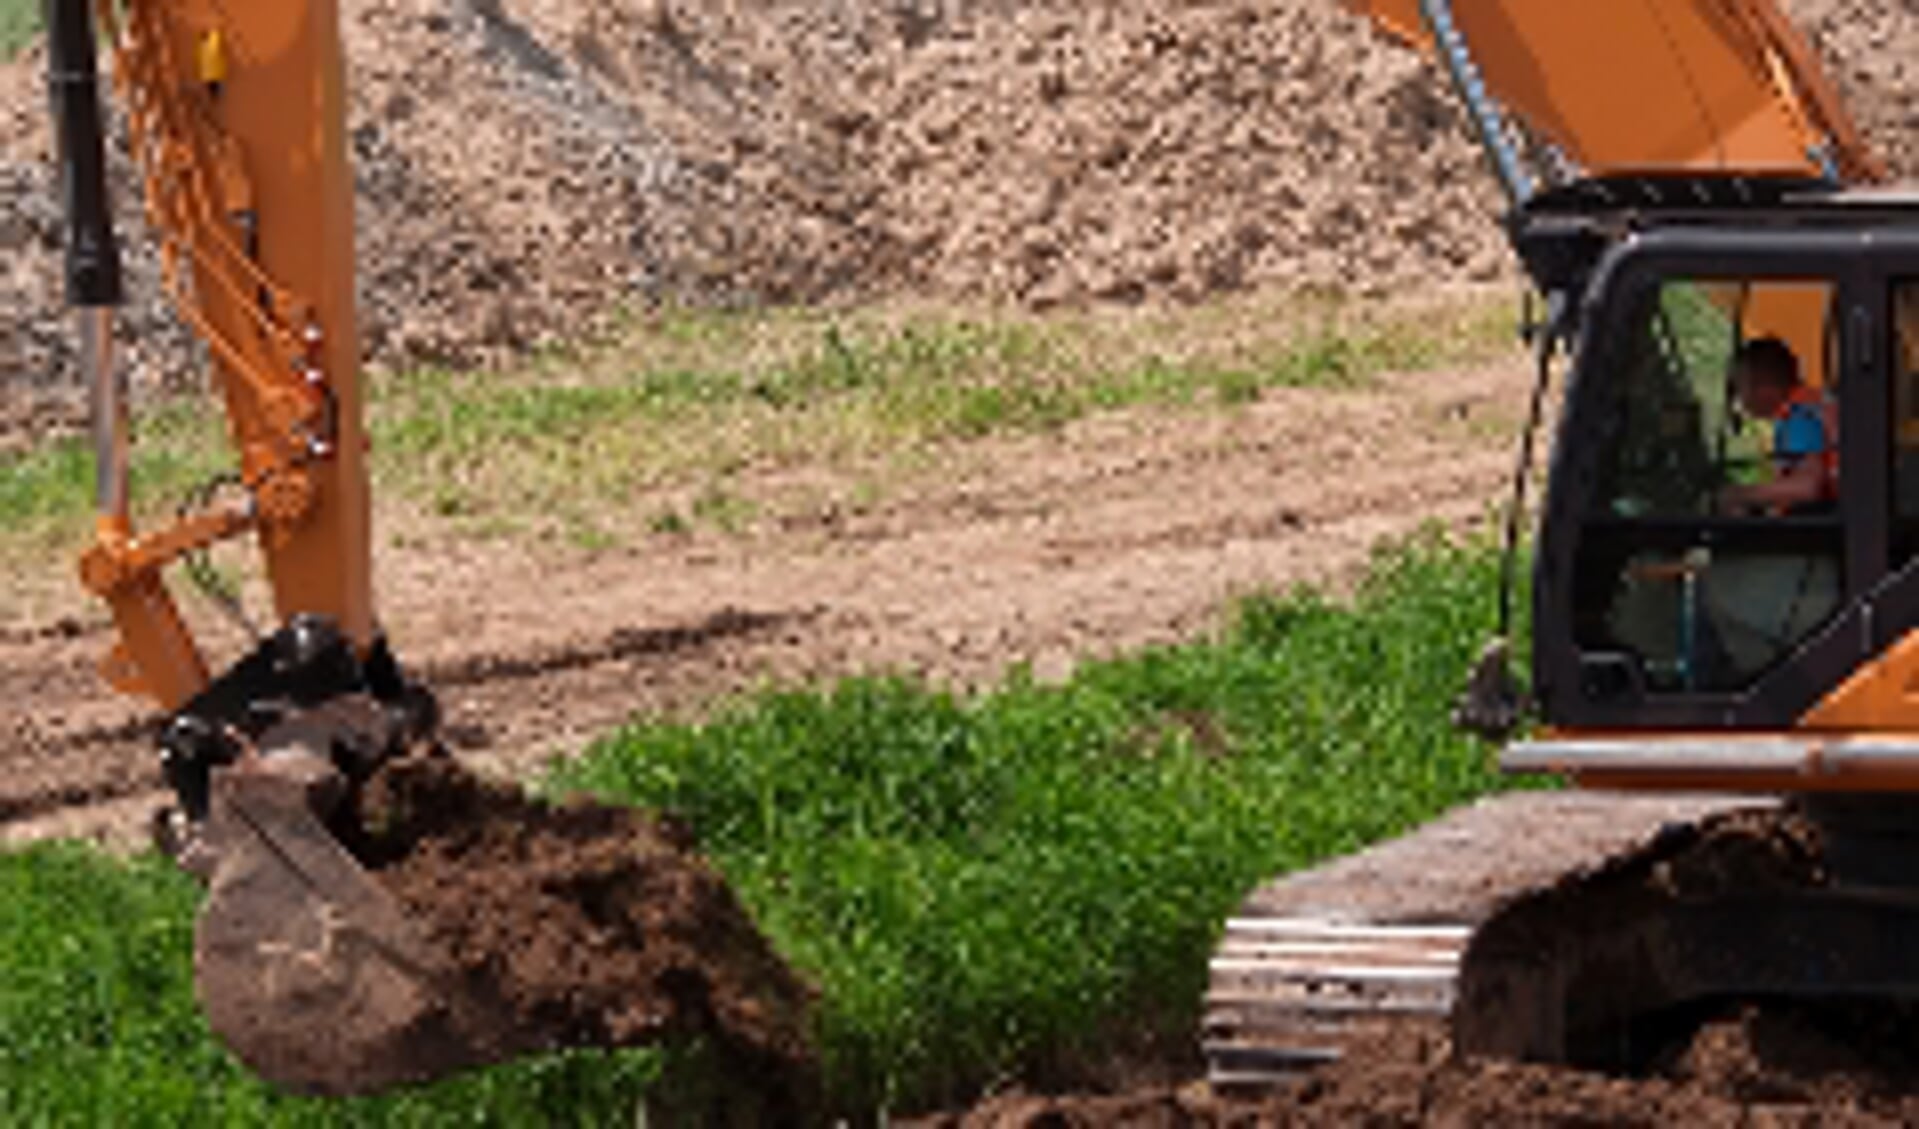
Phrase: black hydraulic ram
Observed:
(93, 256)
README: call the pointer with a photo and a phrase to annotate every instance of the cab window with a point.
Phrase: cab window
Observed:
(1689, 579)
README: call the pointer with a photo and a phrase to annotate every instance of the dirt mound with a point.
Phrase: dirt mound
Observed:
(1871, 49)
(1780, 1066)
(1784, 1062)
(526, 166)
(1047, 154)
(589, 925)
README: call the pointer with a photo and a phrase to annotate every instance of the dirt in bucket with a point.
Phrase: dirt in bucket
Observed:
(590, 925)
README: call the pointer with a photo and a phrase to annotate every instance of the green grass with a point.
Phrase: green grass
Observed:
(567, 444)
(995, 887)
(44, 488)
(696, 398)
(19, 23)
(1009, 885)
(46, 498)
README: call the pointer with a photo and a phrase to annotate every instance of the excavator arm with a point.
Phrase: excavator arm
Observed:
(307, 968)
(235, 117)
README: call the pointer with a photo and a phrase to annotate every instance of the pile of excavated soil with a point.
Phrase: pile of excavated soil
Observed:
(1781, 1063)
(525, 165)
(588, 925)
(1763, 1067)
(1871, 49)
(1775, 1066)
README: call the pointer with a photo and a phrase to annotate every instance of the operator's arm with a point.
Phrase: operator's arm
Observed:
(1800, 443)
(1803, 483)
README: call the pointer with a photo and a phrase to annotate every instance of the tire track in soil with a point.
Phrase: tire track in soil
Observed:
(1122, 530)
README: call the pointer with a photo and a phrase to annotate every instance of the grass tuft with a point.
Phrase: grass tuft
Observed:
(43, 488)
(19, 23)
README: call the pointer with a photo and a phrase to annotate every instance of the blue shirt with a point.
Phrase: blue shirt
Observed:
(1800, 432)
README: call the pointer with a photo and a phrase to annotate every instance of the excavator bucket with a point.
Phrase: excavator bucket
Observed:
(372, 924)
(309, 971)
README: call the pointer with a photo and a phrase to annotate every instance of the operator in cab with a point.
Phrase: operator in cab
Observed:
(1758, 605)
(1765, 377)
(1716, 618)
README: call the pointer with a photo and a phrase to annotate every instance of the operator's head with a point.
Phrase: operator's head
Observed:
(1764, 374)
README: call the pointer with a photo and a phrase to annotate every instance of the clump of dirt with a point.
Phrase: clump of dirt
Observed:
(1751, 849)
(589, 925)
(1832, 1055)
(1740, 850)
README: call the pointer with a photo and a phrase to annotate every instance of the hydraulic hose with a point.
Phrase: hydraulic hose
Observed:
(1450, 42)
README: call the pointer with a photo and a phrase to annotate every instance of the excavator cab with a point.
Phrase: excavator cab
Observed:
(1677, 589)
(1678, 645)
(1656, 606)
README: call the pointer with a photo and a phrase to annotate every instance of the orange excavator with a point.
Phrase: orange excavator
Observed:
(1682, 180)
(1687, 192)
(1716, 198)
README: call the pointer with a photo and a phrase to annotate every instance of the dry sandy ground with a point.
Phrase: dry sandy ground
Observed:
(1126, 528)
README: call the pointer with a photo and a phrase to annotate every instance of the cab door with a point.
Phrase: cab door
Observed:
(1656, 605)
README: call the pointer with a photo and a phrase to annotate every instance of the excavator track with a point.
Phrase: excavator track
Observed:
(1313, 960)
(1285, 993)
(1605, 966)
(1609, 968)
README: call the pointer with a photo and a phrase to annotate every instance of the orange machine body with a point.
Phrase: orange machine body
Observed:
(1653, 84)
(1632, 85)
(236, 113)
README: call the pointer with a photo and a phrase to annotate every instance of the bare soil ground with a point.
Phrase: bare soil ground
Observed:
(1778, 1067)
(1123, 529)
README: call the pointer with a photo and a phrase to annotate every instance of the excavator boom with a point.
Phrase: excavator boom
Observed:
(236, 118)
(1640, 85)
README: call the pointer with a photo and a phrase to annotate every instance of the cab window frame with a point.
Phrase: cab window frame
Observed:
(1623, 278)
